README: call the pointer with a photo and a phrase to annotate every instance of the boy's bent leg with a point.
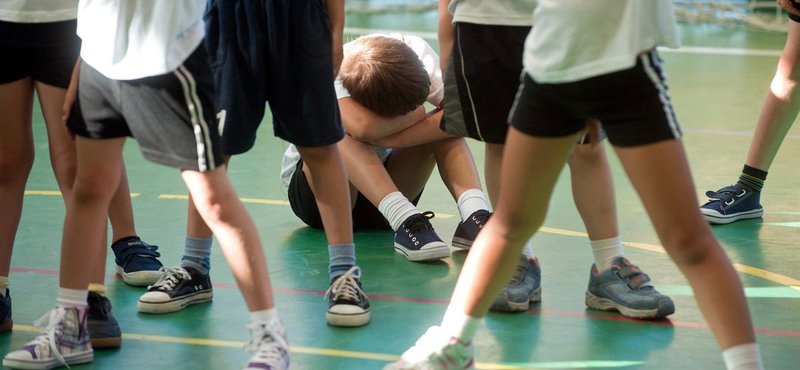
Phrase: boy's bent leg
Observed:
(366, 172)
(224, 213)
(688, 238)
(614, 282)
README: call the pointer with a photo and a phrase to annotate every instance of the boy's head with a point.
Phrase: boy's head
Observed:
(384, 75)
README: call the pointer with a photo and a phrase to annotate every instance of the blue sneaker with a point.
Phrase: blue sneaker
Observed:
(103, 328)
(625, 288)
(136, 261)
(468, 230)
(524, 288)
(5, 313)
(732, 203)
(417, 240)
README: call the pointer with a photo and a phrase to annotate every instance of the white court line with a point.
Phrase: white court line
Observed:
(684, 50)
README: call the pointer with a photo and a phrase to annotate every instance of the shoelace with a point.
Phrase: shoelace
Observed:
(54, 319)
(346, 286)
(482, 218)
(168, 277)
(418, 222)
(265, 343)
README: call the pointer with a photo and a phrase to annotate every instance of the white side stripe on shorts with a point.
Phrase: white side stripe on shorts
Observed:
(469, 93)
(205, 156)
(662, 94)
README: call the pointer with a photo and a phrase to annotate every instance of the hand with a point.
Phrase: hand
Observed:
(69, 100)
(791, 6)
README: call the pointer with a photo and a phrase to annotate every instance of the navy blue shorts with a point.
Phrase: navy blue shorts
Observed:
(276, 51)
(45, 51)
(632, 105)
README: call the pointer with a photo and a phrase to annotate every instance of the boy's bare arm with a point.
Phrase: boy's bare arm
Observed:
(336, 14)
(364, 125)
(422, 132)
(446, 34)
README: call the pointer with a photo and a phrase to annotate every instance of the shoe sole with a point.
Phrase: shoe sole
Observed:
(174, 305)
(716, 218)
(462, 243)
(138, 278)
(7, 325)
(102, 343)
(509, 306)
(436, 252)
(46, 365)
(348, 320)
(605, 304)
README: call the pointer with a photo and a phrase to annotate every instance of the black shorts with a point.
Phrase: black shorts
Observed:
(276, 51)
(304, 204)
(45, 51)
(632, 105)
(171, 116)
(481, 80)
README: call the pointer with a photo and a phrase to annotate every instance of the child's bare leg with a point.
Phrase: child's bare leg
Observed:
(97, 178)
(781, 105)
(16, 161)
(120, 212)
(593, 190)
(688, 239)
(524, 197)
(333, 192)
(221, 209)
(456, 165)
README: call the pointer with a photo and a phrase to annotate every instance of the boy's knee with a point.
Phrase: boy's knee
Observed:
(688, 248)
(94, 186)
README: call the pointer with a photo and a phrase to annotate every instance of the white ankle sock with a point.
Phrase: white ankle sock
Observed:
(396, 208)
(471, 201)
(606, 251)
(72, 297)
(743, 357)
(527, 251)
(460, 325)
(264, 315)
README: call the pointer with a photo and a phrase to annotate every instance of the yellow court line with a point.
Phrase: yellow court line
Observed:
(294, 349)
(50, 192)
(764, 274)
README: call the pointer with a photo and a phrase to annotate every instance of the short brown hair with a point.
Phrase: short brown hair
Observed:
(384, 75)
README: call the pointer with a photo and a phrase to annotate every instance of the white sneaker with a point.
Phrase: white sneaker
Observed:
(436, 350)
(268, 346)
(64, 342)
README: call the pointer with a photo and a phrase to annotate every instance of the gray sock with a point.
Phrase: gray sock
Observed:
(197, 254)
(342, 259)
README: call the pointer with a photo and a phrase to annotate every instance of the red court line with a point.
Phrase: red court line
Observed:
(600, 316)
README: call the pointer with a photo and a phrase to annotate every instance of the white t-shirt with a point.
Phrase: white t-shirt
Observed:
(38, 11)
(429, 59)
(499, 12)
(577, 39)
(129, 39)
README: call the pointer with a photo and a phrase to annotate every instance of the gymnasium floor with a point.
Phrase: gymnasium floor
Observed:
(717, 84)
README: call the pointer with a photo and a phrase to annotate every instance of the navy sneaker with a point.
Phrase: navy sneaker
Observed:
(417, 240)
(347, 305)
(732, 203)
(136, 261)
(5, 313)
(177, 288)
(468, 230)
(103, 327)
(625, 288)
(524, 288)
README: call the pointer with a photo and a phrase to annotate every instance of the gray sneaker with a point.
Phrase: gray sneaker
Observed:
(524, 288)
(625, 288)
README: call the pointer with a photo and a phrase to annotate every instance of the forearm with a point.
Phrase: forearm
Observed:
(364, 125)
(422, 132)
(446, 33)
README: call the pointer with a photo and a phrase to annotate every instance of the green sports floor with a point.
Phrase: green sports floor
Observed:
(717, 84)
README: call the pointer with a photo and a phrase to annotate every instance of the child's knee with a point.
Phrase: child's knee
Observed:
(94, 186)
(690, 248)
